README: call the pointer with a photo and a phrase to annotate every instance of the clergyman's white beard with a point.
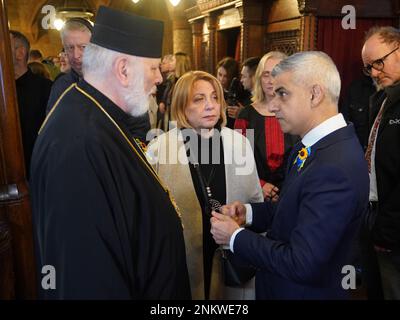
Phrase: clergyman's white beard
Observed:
(136, 99)
(137, 102)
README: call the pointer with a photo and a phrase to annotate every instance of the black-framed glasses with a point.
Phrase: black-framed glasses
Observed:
(378, 64)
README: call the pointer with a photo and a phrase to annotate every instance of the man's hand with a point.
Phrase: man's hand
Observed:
(270, 192)
(222, 228)
(235, 210)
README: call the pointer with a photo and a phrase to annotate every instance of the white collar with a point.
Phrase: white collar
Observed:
(323, 129)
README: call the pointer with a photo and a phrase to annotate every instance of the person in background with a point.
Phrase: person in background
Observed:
(39, 69)
(65, 67)
(227, 70)
(55, 60)
(355, 106)
(181, 65)
(207, 174)
(167, 67)
(381, 58)
(32, 94)
(271, 145)
(75, 35)
(37, 56)
(247, 73)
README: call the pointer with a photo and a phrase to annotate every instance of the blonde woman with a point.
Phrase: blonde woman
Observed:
(180, 65)
(270, 143)
(204, 164)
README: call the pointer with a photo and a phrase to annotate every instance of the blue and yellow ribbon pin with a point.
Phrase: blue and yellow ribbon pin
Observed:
(302, 157)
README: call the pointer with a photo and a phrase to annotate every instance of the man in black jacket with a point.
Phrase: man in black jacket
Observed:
(102, 217)
(32, 93)
(381, 58)
(355, 107)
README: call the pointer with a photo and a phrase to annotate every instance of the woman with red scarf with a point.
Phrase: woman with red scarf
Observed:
(270, 143)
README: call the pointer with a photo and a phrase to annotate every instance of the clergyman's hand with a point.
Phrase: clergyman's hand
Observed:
(222, 228)
(236, 211)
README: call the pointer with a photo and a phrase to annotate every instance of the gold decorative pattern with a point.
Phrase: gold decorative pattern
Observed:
(307, 6)
(284, 41)
(193, 12)
(229, 19)
(206, 5)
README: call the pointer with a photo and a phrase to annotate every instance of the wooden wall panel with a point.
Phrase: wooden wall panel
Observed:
(283, 10)
(365, 9)
(292, 24)
(197, 38)
(14, 198)
(284, 41)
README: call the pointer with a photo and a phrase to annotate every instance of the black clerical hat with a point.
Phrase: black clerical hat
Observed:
(128, 33)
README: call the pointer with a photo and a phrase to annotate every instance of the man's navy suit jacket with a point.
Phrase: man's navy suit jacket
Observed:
(312, 229)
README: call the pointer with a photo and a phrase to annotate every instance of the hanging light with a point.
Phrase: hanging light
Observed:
(59, 24)
(135, 1)
(73, 9)
(174, 2)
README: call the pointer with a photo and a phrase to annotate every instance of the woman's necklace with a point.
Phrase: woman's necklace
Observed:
(208, 182)
(215, 205)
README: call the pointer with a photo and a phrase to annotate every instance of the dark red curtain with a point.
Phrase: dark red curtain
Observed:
(344, 46)
(237, 49)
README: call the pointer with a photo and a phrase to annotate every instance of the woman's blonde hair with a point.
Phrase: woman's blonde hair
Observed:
(182, 64)
(183, 91)
(258, 92)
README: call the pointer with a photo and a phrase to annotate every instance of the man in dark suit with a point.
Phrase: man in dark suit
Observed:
(381, 58)
(311, 230)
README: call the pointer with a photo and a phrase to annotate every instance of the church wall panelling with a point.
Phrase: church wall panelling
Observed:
(365, 9)
(197, 40)
(283, 10)
(292, 24)
(253, 27)
(284, 41)
(283, 29)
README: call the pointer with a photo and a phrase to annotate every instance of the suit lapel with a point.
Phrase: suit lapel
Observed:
(334, 137)
(294, 173)
(291, 170)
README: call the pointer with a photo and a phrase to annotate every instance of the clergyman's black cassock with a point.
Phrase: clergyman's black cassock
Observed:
(101, 218)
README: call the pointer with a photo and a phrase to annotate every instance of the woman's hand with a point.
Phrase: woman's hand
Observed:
(270, 192)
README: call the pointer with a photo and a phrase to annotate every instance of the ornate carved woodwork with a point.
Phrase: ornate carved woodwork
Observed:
(284, 41)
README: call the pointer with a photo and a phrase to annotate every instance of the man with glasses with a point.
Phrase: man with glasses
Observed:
(75, 35)
(381, 58)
